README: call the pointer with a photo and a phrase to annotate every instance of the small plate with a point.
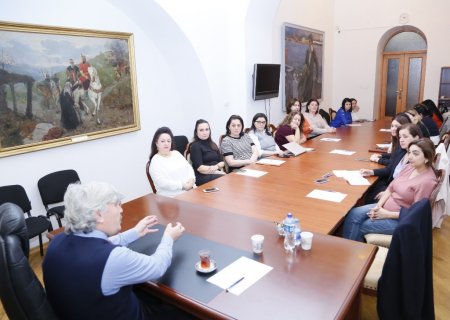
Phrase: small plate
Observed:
(212, 267)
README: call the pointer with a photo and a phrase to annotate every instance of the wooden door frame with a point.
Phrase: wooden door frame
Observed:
(402, 82)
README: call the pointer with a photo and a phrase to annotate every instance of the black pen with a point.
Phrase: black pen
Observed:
(235, 283)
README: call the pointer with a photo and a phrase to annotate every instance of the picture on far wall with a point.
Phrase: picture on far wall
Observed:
(303, 63)
(60, 86)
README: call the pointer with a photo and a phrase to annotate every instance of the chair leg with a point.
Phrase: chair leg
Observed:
(59, 220)
(41, 246)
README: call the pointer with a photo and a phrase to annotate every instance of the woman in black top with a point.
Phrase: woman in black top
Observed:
(205, 155)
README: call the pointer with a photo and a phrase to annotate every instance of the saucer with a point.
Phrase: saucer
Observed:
(212, 267)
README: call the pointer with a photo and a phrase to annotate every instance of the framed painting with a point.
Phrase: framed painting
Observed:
(60, 86)
(302, 63)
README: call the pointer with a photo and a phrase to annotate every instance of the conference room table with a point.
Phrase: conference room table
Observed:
(323, 283)
(285, 188)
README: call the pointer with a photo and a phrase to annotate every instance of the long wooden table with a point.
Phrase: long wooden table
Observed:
(283, 189)
(324, 283)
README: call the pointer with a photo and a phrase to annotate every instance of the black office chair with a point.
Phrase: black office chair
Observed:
(181, 143)
(325, 115)
(52, 188)
(21, 293)
(36, 226)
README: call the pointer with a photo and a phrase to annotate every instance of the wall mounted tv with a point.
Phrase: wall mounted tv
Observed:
(266, 81)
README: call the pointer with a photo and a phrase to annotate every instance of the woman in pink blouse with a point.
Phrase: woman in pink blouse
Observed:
(415, 182)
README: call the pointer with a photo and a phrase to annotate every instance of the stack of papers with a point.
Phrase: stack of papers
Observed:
(383, 145)
(240, 275)
(385, 130)
(353, 177)
(251, 173)
(343, 152)
(271, 162)
(331, 139)
(327, 195)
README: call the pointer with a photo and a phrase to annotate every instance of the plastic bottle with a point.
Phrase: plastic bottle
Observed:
(289, 232)
(298, 233)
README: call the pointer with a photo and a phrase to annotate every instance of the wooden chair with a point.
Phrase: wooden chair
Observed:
(149, 177)
(325, 115)
(440, 176)
(272, 129)
(187, 152)
(332, 113)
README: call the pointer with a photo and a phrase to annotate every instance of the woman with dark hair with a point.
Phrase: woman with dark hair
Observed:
(293, 105)
(415, 118)
(406, 133)
(290, 130)
(343, 115)
(385, 158)
(436, 114)
(262, 138)
(425, 117)
(317, 123)
(416, 181)
(237, 147)
(170, 171)
(205, 154)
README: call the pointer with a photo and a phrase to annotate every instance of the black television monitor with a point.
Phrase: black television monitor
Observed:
(266, 81)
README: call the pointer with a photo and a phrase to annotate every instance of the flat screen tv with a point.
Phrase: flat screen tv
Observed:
(266, 81)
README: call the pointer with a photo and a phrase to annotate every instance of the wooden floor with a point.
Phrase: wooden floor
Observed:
(441, 269)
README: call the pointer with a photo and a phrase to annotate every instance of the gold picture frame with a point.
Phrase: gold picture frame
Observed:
(60, 86)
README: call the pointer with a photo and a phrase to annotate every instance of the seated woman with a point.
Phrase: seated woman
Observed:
(436, 114)
(317, 123)
(425, 116)
(406, 133)
(262, 138)
(355, 109)
(205, 154)
(415, 182)
(384, 159)
(414, 117)
(290, 130)
(343, 115)
(293, 105)
(237, 147)
(170, 171)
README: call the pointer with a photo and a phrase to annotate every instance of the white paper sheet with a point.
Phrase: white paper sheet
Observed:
(355, 125)
(383, 145)
(385, 130)
(353, 177)
(331, 139)
(327, 195)
(243, 268)
(251, 173)
(343, 152)
(271, 162)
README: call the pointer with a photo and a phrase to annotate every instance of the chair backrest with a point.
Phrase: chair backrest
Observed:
(149, 177)
(21, 293)
(440, 174)
(405, 288)
(53, 186)
(325, 115)
(332, 113)
(15, 194)
(437, 159)
(272, 128)
(181, 143)
(187, 153)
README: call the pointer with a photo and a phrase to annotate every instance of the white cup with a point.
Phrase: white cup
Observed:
(307, 238)
(257, 243)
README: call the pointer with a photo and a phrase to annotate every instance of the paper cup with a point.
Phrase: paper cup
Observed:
(257, 243)
(307, 238)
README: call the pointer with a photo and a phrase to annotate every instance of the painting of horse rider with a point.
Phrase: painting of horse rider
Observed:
(60, 85)
(303, 62)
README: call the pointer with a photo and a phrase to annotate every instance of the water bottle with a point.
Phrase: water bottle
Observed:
(289, 232)
(298, 233)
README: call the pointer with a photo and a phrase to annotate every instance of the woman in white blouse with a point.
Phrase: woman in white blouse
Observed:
(170, 171)
(315, 120)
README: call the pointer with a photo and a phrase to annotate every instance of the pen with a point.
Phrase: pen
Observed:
(235, 283)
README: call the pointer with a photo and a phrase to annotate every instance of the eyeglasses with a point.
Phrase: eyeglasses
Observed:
(261, 122)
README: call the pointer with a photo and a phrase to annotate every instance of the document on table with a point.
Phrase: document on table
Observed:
(354, 125)
(327, 195)
(343, 152)
(239, 275)
(270, 162)
(251, 173)
(331, 139)
(353, 177)
(385, 130)
(383, 145)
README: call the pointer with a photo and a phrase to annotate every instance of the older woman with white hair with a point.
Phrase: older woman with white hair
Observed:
(88, 270)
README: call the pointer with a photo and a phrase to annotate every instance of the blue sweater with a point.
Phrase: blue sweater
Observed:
(73, 269)
(342, 118)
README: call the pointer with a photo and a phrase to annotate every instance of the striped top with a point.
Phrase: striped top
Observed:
(240, 148)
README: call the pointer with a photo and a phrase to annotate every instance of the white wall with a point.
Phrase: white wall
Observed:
(362, 24)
